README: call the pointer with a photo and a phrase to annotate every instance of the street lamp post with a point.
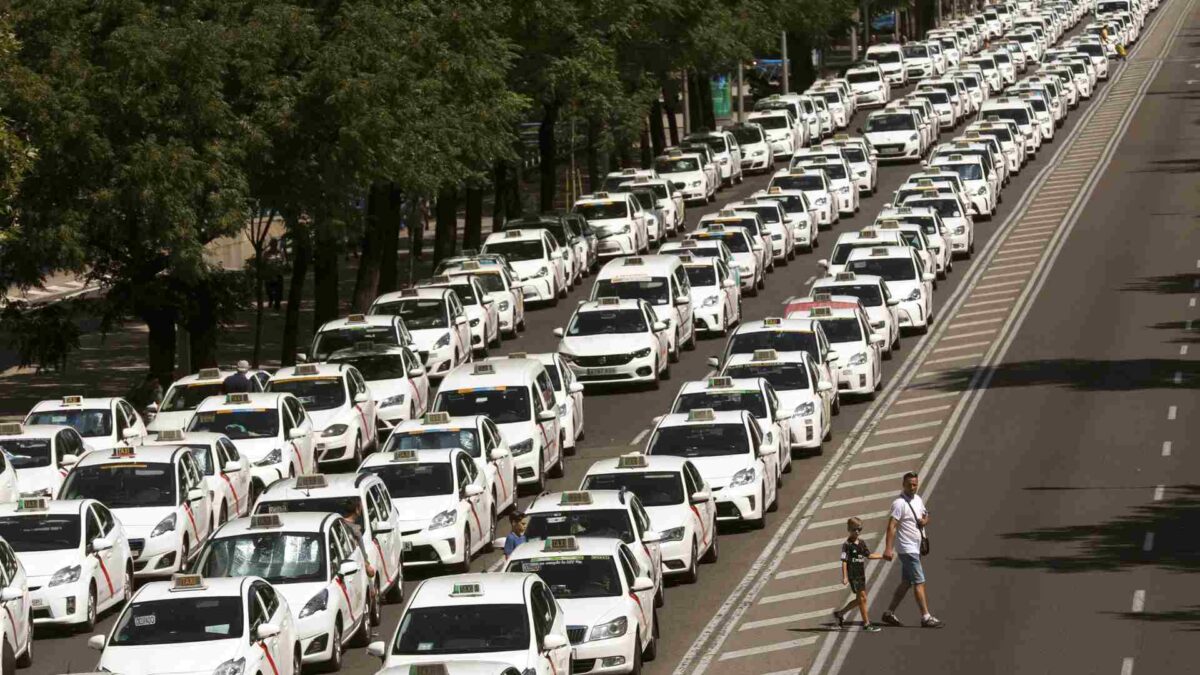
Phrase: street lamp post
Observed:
(786, 64)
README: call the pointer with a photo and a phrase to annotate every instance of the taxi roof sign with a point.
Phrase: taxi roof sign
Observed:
(409, 293)
(483, 369)
(311, 481)
(122, 451)
(867, 233)
(404, 456)
(820, 312)
(33, 503)
(822, 297)
(844, 276)
(11, 428)
(470, 265)
(307, 369)
(608, 301)
(688, 243)
(72, 400)
(633, 460)
(518, 355)
(764, 355)
(240, 397)
(512, 234)
(634, 260)
(686, 259)
(720, 382)
(467, 590)
(439, 279)
(265, 521)
(575, 498)
(356, 318)
(560, 544)
(209, 373)
(187, 582)
(774, 190)
(170, 435)
(439, 417)
(702, 415)
(879, 250)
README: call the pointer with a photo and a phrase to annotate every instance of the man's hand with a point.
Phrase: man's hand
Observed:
(888, 554)
(845, 581)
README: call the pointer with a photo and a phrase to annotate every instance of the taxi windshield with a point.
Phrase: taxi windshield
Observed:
(92, 423)
(779, 340)
(653, 488)
(504, 405)
(808, 182)
(750, 401)
(834, 171)
(896, 122)
(605, 322)
(854, 154)
(700, 440)
(884, 56)
(736, 241)
(771, 121)
(701, 276)
(842, 330)
(278, 557)
(651, 289)
(891, 269)
(325, 393)
(1021, 117)
(747, 135)
(946, 208)
(782, 376)
(465, 292)
(792, 203)
(344, 506)
(331, 340)
(437, 439)
(26, 453)
(199, 618)
(672, 165)
(868, 294)
(463, 629)
(122, 485)
(863, 76)
(491, 282)
(418, 314)
(239, 424)
(49, 532)
(375, 366)
(520, 249)
(965, 171)
(608, 523)
(411, 479)
(182, 397)
(767, 213)
(575, 576)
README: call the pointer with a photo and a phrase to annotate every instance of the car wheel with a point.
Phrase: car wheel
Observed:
(89, 621)
(657, 374)
(357, 457)
(127, 589)
(673, 354)
(762, 282)
(714, 551)
(498, 339)
(837, 405)
(724, 323)
(557, 470)
(761, 521)
(652, 648)
(637, 660)
(224, 514)
(690, 345)
(692, 575)
(8, 663)
(465, 566)
(334, 664)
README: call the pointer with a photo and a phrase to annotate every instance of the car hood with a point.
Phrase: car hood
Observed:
(256, 448)
(38, 479)
(415, 512)
(598, 345)
(887, 137)
(702, 293)
(425, 338)
(185, 659)
(866, 86)
(526, 268)
(718, 471)
(322, 419)
(777, 134)
(794, 398)
(399, 665)
(139, 521)
(590, 611)
(683, 175)
(178, 419)
(297, 595)
(41, 565)
(666, 517)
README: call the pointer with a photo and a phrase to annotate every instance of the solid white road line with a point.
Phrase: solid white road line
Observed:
(1183, 350)
(801, 571)
(866, 481)
(778, 646)
(931, 397)
(895, 444)
(960, 336)
(911, 427)
(913, 413)
(969, 345)
(833, 504)
(1139, 602)
(790, 618)
(638, 439)
(1166, 449)
(1158, 493)
(1148, 542)
(1127, 665)
(951, 359)
(842, 521)
(981, 322)
(884, 462)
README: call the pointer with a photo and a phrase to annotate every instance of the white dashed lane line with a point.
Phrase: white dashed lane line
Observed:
(790, 618)
(1159, 490)
(1172, 411)
(778, 646)
(638, 439)
(1127, 666)
(1139, 602)
(895, 444)
(829, 543)
(1166, 449)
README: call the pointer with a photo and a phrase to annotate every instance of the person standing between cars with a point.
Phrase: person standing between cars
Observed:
(515, 538)
(239, 382)
(905, 532)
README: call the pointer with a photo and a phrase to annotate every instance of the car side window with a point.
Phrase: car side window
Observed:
(104, 517)
(269, 599)
(464, 476)
(373, 513)
(258, 613)
(383, 503)
(689, 483)
(91, 529)
(541, 613)
(755, 438)
(640, 514)
(9, 561)
(230, 449)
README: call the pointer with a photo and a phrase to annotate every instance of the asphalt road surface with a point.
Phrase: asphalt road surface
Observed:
(1047, 411)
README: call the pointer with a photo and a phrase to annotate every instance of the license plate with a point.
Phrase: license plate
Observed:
(407, 546)
(602, 371)
(38, 602)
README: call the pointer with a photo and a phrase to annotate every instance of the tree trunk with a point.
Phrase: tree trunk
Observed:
(301, 254)
(658, 137)
(447, 223)
(389, 238)
(473, 229)
(647, 152)
(202, 326)
(499, 195)
(325, 271)
(671, 105)
(800, 52)
(693, 101)
(705, 100)
(259, 291)
(592, 154)
(548, 152)
(366, 281)
(160, 343)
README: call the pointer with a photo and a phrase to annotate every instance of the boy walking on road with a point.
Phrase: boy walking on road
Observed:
(855, 554)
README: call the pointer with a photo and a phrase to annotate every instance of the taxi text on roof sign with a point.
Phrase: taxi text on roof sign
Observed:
(409, 293)
(237, 398)
(466, 590)
(356, 318)
(121, 451)
(575, 498)
(307, 369)
(845, 276)
(436, 418)
(772, 321)
(265, 521)
(820, 312)
(209, 374)
(702, 415)
(311, 481)
(518, 355)
(72, 400)
(170, 435)
(560, 544)
(879, 251)
(633, 460)
(483, 369)
(404, 456)
(33, 504)
(764, 355)
(11, 429)
(608, 301)
(187, 582)
(720, 382)
(634, 261)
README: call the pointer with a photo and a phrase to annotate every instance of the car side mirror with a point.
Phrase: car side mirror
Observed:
(231, 467)
(558, 332)
(266, 630)
(928, 276)
(153, 407)
(472, 490)
(765, 451)
(101, 544)
(659, 326)
(130, 433)
(727, 283)
(361, 397)
(713, 362)
(377, 649)
(575, 388)
(381, 528)
(498, 454)
(416, 372)
(651, 537)
(824, 386)
(683, 300)
(301, 357)
(68, 460)
(701, 497)
(460, 320)
(348, 568)
(195, 495)
(488, 301)
(566, 254)
(547, 416)
(877, 339)
(858, 129)
(823, 264)
(892, 302)
(297, 433)
(832, 357)
(554, 641)
(642, 584)
(97, 642)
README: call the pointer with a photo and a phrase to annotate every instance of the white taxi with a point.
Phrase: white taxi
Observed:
(668, 200)
(226, 471)
(442, 502)
(800, 216)
(517, 395)
(726, 447)
(805, 398)
(741, 244)
(438, 323)
(272, 431)
(16, 623)
(341, 408)
(605, 594)
(104, 423)
(960, 226)
(936, 234)
(315, 562)
(568, 393)
(775, 222)
(612, 341)
(816, 188)
(364, 502)
(378, 327)
(716, 294)
(475, 434)
(906, 280)
(184, 394)
(754, 395)
(396, 379)
(511, 619)
(157, 493)
(35, 453)
(502, 287)
(78, 555)
(781, 130)
(618, 220)
(686, 171)
(782, 335)
(841, 179)
(860, 369)
(482, 313)
(895, 133)
(198, 625)
(537, 257)
(872, 293)
(678, 500)
(662, 283)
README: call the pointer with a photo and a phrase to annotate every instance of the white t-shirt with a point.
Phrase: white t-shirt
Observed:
(908, 536)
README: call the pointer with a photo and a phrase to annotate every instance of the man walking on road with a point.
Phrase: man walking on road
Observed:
(239, 382)
(906, 530)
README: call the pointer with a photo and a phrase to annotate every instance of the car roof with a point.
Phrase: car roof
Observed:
(653, 463)
(739, 384)
(359, 320)
(423, 293)
(189, 438)
(494, 588)
(779, 357)
(858, 280)
(142, 454)
(638, 265)
(427, 424)
(718, 417)
(301, 521)
(336, 485)
(594, 546)
(431, 456)
(303, 371)
(609, 304)
(85, 403)
(517, 234)
(52, 506)
(36, 431)
(775, 324)
(881, 252)
(491, 374)
(599, 499)
(256, 399)
(211, 586)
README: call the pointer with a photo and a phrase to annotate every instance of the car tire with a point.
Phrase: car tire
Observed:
(540, 486)
(761, 522)
(127, 589)
(837, 405)
(25, 660)
(690, 345)
(714, 551)
(673, 354)
(465, 566)
(692, 574)
(498, 339)
(357, 457)
(637, 661)
(761, 284)
(89, 621)
(334, 664)
(8, 663)
(559, 467)
(652, 648)
(654, 381)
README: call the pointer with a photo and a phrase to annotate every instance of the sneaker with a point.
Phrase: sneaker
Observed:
(890, 619)
(871, 628)
(931, 622)
(839, 617)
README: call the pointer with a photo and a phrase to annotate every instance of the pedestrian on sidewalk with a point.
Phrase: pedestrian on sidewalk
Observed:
(906, 538)
(855, 554)
(239, 382)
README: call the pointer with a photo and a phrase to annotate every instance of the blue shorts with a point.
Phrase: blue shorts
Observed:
(910, 568)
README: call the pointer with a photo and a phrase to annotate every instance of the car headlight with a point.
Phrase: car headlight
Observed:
(858, 359)
(273, 457)
(695, 183)
(914, 296)
(821, 201)
(626, 229)
(806, 409)
(981, 192)
(316, 603)
(914, 137)
(231, 667)
(710, 301)
(641, 353)
(521, 448)
(392, 401)
(759, 153)
(743, 477)
(474, 323)
(744, 269)
(542, 271)
(67, 575)
(44, 492)
(612, 629)
(673, 534)
(845, 189)
(562, 409)
(164, 526)
(444, 519)
(961, 229)
(334, 430)
(503, 307)
(443, 341)
(769, 438)
(569, 358)
(862, 174)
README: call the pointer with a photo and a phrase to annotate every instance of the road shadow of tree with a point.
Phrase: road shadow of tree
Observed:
(1188, 336)
(1189, 618)
(1116, 544)
(1174, 166)
(1171, 283)
(1079, 374)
